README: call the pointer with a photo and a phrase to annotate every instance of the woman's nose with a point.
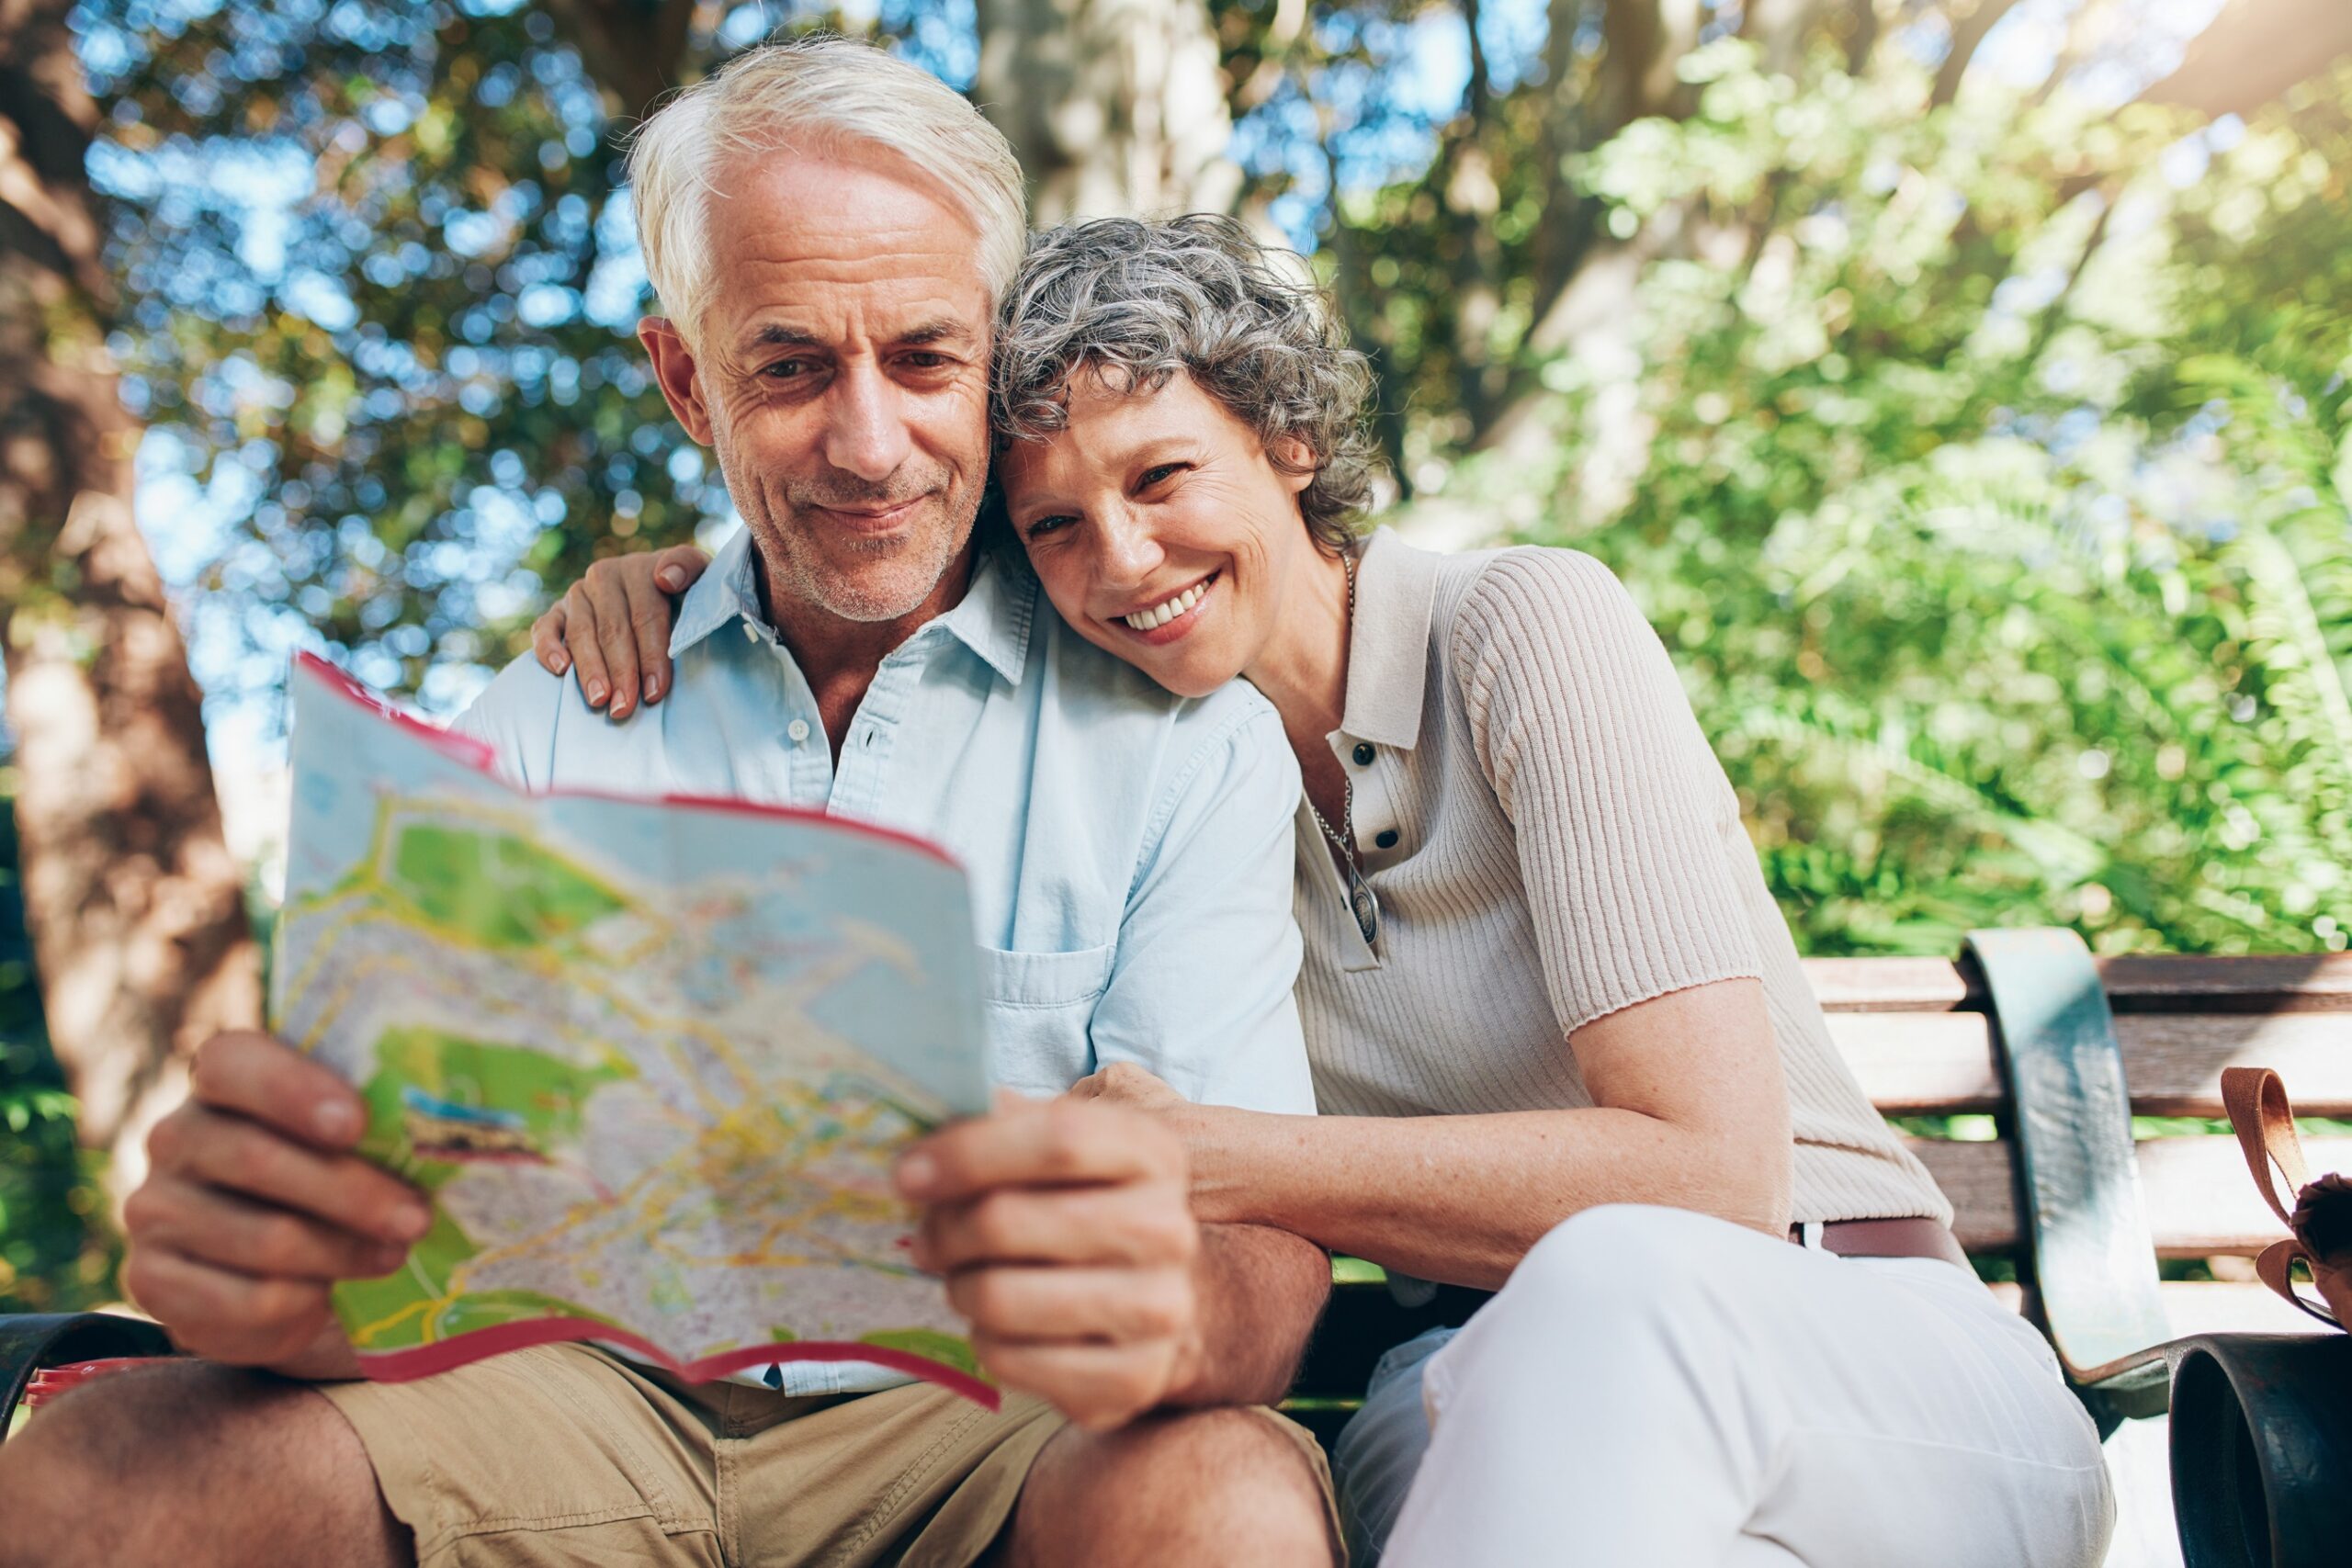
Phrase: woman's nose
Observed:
(1126, 551)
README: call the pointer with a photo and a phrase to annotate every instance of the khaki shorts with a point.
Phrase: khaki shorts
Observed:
(564, 1454)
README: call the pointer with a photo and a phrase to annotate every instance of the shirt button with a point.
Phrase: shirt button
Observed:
(750, 632)
(1363, 753)
(1387, 840)
(798, 730)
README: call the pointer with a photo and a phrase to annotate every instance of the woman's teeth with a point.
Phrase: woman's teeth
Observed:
(1160, 614)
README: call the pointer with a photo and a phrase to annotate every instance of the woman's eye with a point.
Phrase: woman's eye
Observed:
(1161, 474)
(1045, 525)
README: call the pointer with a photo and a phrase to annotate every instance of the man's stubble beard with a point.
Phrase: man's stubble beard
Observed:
(801, 564)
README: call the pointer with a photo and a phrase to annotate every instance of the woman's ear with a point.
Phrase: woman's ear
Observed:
(1293, 459)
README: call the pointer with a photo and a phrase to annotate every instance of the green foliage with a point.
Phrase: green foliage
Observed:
(52, 1259)
(409, 371)
(1990, 491)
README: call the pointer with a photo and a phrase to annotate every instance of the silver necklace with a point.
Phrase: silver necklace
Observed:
(1361, 901)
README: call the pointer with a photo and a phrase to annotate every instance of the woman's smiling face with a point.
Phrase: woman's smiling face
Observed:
(1160, 529)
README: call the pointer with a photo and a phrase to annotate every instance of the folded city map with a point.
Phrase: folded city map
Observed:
(650, 1060)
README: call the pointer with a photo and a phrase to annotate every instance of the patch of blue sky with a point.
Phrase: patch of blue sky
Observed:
(744, 26)
(940, 35)
(616, 293)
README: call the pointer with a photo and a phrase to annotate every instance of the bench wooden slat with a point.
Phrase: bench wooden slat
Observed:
(2263, 982)
(1891, 985)
(1928, 1063)
(2135, 983)
(2200, 1201)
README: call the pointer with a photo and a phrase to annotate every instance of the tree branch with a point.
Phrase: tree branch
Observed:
(2255, 51)
(1970, 20)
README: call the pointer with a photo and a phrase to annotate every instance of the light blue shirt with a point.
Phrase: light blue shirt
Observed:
(1129, 851)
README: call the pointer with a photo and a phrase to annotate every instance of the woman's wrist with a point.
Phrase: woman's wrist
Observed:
(1228, 1188)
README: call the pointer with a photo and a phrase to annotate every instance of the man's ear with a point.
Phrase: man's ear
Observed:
(1295, 462)
(674, 366)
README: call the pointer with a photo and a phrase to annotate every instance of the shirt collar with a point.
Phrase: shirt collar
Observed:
(992, 619)
(1388, 644)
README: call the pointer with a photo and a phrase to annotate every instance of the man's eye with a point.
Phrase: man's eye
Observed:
(929, 361)
(785, 369)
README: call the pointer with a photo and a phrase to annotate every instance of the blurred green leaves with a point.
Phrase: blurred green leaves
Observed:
(1986, 480)
(54, 1257)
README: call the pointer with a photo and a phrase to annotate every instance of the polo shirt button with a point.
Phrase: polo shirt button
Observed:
(798, 730)
(1387, 840)
(750, 632)
(1363, 753)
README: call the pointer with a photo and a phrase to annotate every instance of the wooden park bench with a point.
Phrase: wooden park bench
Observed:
(2060, 1050)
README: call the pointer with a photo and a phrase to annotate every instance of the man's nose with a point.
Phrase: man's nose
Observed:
(868, 434)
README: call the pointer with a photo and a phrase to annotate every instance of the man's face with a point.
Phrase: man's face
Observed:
(840, 376)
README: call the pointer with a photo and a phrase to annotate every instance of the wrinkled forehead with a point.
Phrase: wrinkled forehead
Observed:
(847, 244)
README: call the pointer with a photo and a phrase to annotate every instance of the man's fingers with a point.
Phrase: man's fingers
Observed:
(208, 1225)
(587, 651)
(342, 1190)
(676, 569)
(222, 1314)
(1059, 1304)
(1055, 1142)
(1131, 1223)
(1098, 1386)
(267, 1080)
(547, 640)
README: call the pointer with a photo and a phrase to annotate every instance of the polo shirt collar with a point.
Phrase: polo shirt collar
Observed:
(993, 618)
(1388, 645)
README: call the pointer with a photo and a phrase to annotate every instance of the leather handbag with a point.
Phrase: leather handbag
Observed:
(2321, 1219)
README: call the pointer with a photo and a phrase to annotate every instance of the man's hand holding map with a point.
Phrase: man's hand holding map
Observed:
(651, 1061)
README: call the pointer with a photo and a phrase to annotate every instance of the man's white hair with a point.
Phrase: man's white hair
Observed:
(815, 96)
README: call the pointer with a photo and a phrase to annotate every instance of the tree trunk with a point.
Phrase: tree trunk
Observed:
(1780, 30)
(136, 910)
(1113, 106)
(634, 49)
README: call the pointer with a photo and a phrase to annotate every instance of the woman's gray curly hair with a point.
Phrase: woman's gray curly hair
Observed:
(1138, 302)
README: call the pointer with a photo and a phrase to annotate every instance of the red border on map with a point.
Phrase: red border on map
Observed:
(458, 1349)
(477, 755)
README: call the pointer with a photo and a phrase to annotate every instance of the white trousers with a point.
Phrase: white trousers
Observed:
(1657, 1387)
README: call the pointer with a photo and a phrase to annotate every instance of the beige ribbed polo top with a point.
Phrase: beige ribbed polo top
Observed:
(1551, 838)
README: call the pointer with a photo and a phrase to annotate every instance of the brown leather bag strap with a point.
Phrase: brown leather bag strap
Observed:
(2275, 1267)
(2265, 1124)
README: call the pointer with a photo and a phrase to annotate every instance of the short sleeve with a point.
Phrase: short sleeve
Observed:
(1625, 827)
(515, 716)
(1208, 947)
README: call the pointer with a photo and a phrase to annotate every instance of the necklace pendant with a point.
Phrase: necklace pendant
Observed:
(1365, 905)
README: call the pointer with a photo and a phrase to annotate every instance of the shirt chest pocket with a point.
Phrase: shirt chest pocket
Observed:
(1040, 1006)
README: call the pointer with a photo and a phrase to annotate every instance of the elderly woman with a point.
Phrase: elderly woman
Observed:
(1562, 1044)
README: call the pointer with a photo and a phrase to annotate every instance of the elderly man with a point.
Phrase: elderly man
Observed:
(828, 230)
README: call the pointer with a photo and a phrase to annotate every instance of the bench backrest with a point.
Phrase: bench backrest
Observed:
(1920, 1035)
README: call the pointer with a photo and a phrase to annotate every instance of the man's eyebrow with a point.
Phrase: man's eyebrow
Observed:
(946, 330)
(775, 335)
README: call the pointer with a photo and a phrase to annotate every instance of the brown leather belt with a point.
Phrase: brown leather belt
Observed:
(1888, 1238)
